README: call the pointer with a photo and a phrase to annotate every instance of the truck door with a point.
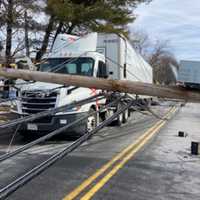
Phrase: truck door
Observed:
(102, 70)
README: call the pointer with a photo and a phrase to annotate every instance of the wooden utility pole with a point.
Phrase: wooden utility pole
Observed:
(138, 88)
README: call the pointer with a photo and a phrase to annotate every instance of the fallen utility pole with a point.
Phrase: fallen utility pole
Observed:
(138, 88)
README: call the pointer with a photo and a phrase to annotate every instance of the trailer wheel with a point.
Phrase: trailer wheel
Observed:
(119, 119)
(129, 112)
(125, 116)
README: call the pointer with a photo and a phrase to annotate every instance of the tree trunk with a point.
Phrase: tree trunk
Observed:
(71, 28)
(45, 42)
(9, 21)
(26, 35)
(58, 31)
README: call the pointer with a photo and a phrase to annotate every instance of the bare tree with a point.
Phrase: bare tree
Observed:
(16, 17)
(158, 54)
(26, 34)
(160, 59)
(141, 42)
(9, 28)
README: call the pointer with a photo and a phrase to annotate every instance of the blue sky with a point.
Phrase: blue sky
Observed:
(175, 20)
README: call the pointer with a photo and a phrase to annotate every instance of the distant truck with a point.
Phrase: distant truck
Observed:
(189, 74)
(107, 56)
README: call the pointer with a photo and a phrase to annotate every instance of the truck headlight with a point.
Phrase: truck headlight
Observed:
(13, 106)
(76, 108)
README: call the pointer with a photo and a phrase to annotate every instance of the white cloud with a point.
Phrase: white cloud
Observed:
(174, 20)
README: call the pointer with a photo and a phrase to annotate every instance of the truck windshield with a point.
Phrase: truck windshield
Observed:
(72, 66)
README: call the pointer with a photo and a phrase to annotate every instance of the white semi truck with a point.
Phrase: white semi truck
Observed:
(108, 56)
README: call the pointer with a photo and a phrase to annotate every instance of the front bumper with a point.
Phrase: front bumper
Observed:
(48, 124)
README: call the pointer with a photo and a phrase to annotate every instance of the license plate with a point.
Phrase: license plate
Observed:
(32, 127)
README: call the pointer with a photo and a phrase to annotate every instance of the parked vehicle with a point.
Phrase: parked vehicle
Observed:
(108, 56)
(189, 74)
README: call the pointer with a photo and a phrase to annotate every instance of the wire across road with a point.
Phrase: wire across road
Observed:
(116, 163)
(102, 175)
(19, 182)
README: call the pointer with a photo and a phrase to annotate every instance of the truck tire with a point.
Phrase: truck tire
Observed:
(125, 116)
(92, 121)
(89, 124)
(119, 120)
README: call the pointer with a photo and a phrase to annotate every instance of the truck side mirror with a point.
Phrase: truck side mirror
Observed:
(125, 71)
(102, 70)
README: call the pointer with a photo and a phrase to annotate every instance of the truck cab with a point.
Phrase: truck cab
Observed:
(39, 96)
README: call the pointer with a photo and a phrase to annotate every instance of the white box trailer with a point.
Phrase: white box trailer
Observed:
(123, 61)
(189, 74)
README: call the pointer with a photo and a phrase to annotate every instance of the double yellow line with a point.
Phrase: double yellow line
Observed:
(116, 163)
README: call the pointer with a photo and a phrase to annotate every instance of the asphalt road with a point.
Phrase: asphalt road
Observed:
(114, 164)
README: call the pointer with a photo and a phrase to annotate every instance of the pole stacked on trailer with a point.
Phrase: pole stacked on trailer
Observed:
(133, 87)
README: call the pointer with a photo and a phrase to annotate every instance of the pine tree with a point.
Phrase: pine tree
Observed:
(64, 16)
(91, 15)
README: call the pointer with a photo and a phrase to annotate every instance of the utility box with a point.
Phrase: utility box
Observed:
(195, 148)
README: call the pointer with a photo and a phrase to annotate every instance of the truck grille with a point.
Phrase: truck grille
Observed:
(36, 101)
